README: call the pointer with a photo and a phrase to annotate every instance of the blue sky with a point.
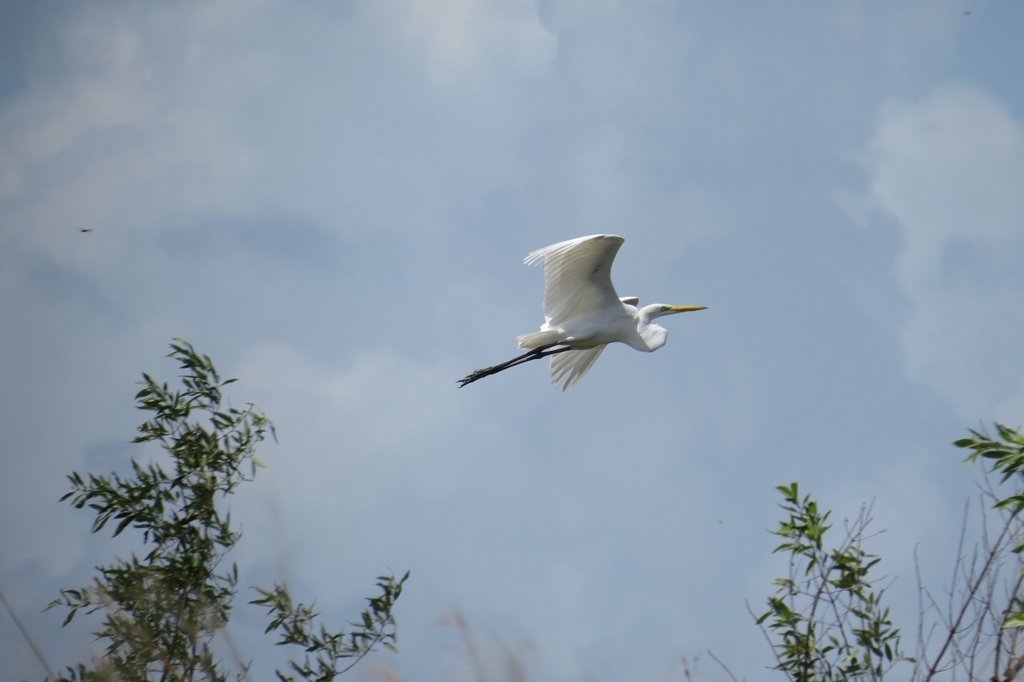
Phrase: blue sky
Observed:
(333, 199)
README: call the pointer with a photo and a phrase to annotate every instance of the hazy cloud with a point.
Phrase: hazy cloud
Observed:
(462, 41)
(333, 201)
(950, 169)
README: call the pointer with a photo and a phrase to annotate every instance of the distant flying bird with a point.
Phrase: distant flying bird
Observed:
(966, 12)
(582, 312)
(86, 229)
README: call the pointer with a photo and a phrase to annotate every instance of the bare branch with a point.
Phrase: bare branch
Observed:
(724, 666)
(28, 638)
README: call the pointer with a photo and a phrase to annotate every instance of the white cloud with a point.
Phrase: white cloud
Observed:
(152, 119)
(950, 171)
(134, 133)
(441, 141)
(949, 167)
(463, 39)
(366, 423)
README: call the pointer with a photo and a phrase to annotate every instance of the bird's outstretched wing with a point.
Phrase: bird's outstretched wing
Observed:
(578, 277)
(569, 367)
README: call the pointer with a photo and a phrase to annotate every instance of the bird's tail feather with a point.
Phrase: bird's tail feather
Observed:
(541, 338)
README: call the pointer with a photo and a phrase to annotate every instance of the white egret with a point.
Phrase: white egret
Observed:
(582, 312)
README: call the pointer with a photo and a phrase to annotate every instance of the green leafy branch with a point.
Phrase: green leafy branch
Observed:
(162, 610)
(826, 616)
(326, 650)
(1007, 451)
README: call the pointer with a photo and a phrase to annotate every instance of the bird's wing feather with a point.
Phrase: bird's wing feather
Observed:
(578, 276)
(569, 367)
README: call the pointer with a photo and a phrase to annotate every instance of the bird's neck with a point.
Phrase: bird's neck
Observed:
(654, 336)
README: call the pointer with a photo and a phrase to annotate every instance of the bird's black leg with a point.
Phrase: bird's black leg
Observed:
(533, 354)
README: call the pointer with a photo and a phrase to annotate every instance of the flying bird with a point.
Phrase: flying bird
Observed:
(86, 229)
(582, 312)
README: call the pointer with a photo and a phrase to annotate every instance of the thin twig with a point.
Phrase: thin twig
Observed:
(470, 643)
(24, 633)
(235, 653)
(690, 677)
(1002, 624)
(922, 644)
(767, 637)
(724, 666)
(954, 626)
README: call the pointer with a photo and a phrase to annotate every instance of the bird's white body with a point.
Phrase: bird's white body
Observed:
(583, 312)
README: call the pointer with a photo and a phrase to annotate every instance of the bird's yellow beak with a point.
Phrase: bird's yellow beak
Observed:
(686, 308)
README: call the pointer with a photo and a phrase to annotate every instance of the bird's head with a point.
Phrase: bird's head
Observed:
(660, 309)
(655, 335)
